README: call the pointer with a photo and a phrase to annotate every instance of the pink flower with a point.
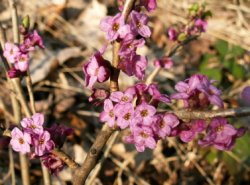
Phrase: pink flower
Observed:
(96, 69)
(150, 5)
(30, 41)
(11, 52)
(156, 94)
(121, 97)
(22, 63)
(129, 44)
(108, 114)
(42, 143)
(124, 114)
(164, 62)
(192, 129)
(221, 135)
(200, 25)
(165, 124)
(20, 141)
(112, 25)
(33, 124)
(144, 113)
(53, 163)
(142, 137)
(139, 24)
(172, 34)
(197, 91)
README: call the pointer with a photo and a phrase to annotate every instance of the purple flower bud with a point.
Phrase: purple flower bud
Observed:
(172, 34)
(245, 95)
(53, 163)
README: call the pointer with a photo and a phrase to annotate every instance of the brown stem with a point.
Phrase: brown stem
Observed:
(90, 161)
(65, 158)
(194, 114)
(30, 92)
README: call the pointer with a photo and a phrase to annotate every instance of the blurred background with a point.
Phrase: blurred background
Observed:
(70, 30)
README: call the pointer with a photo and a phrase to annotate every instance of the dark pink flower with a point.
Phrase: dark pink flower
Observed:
(96, 69)
(20, 141)
(144, 113)
(11, 52)
(156, 94)
(139, 24)
(164, 62)
(33, 124)
(142, 137)
(121, 97)
(124, 114)
(197, 91)
(129, 44)
(150, 5)
(191, 130)
(112, 25)
(53, 163)
(164, 124)
(172, 34)
(108, 115)
(42, 143)
(221, 135)
(200, 25)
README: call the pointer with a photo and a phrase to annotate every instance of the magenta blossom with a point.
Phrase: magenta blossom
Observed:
(221, 135)
(156, 94)
(30, 41)
(150, 5)
(33, 124)
(139, 24)
(124, 114)
(164, 62)
(121, 97)
(197, 91)
(144, 114)
(11, 52)
(164, 124)
(20, 141)
(22, 63)
(129, 44)
(53, 163)
(142, 137)
(200, 25)
(112, 26)
(96, 69)
(108, 114)
(172, 34)
(191, 130)
(42, 143)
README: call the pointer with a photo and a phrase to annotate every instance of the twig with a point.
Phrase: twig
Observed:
(46, 175)
(97, 168)
(90, 161)
(156, 71)
(65, 158)
(14, 16)
(194, 114)
(30, 92)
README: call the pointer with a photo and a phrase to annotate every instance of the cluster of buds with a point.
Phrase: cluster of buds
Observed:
(18, 54)
(38, 141)
(196, 24)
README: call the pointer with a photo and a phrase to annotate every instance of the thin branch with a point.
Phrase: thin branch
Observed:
(30, 92)
(91, 159)
(65, 158)
(156, 71)
(194, 114)
(14, 16)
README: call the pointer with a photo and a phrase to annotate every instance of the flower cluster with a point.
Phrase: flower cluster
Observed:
(130, 35)
(196, 24)
(135, 108)
(197, 92)
(33, 138)
(18, 55)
